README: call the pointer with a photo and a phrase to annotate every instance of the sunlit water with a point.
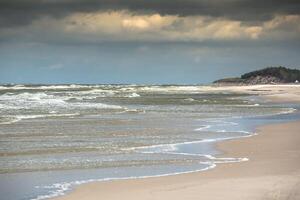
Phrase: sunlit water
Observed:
(55, 137)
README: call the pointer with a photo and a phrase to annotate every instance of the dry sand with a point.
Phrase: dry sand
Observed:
(273, 93)
(272, 173)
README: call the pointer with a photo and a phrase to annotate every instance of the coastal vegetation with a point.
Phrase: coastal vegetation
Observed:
(267, 75)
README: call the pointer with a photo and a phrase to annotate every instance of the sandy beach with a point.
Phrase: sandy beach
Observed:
(149, 100)
(273, 93)
(272, 172)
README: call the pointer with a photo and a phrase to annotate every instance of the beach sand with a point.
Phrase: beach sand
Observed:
(273, 93)
(272, 172)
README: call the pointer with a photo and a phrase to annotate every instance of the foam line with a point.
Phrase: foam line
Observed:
(62, 188)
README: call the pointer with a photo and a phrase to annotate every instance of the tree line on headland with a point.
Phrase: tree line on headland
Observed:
(269, 75)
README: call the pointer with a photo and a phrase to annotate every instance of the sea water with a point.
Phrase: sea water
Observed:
(54, 137)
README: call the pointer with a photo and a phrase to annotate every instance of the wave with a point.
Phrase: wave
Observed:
(28, 99)
(248, 105)
(213, 124)
(96, 105)
(202, 128)
(288, 111)
(127, 89)
(45, 115)
(49, 101)
(17, 118)
(96, 91)
(127, 110)
(183, 89)
(133, 95)
(189, 99)
(46, 87)
(167, 148)
(10, 121)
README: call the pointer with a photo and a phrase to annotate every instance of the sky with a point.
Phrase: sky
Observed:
(144, 41)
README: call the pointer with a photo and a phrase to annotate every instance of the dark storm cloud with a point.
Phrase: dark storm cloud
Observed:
(20, 12)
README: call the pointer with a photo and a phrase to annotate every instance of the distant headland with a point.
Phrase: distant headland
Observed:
(269, 75)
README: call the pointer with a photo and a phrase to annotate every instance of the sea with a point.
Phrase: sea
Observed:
(56, 137)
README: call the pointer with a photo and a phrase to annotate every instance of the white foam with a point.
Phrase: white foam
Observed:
(127, 110)
(10, 121)
(218, 120)
(16, 87)
(202, 128)
(189, 99)
(96, 91)
(62, 188)
(171, 148)
(133, 95)
(248, 105)
(96, 105)
(28, 100)
(126, 89)
(17, 118)
(42, 100)
(45, 115)
(46, 87)
(288, 111)
(170, 89)
(6, 107)
(224, 131)
(3, 88)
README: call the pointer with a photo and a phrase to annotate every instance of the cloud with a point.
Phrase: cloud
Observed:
(95, 22)
(123, 26)
(20, 12)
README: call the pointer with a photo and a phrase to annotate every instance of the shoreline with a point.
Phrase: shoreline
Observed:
(270, 173)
